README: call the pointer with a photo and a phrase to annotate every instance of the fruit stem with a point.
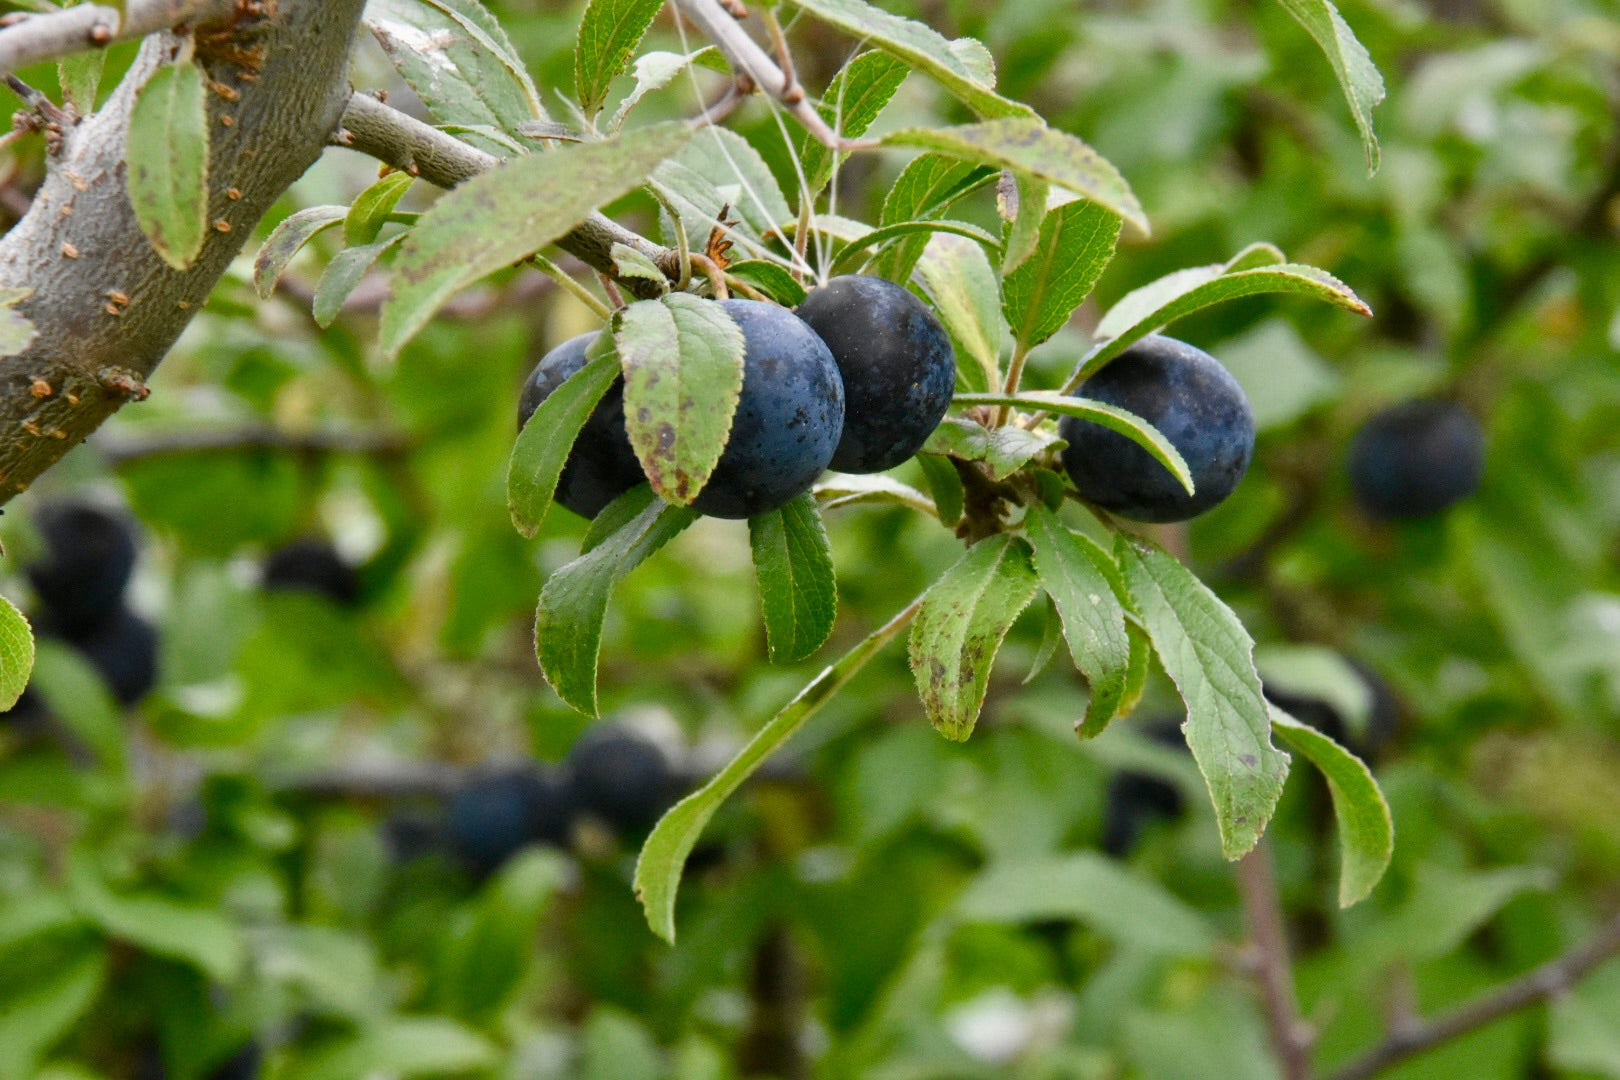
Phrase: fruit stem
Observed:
(801, 236)
(712, 271)
(1015, 372)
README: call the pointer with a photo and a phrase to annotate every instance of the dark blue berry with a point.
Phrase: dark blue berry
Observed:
(89, 554)
(499, 811)
(602, 466)
(1416, 458)
(620, 778)
(312, 565)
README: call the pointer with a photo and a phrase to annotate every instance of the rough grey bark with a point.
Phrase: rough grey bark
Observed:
(105, 306)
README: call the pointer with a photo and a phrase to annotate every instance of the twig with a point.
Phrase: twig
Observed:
(392, 780)
(1262, 910)
(722, 107)
(390, 136)
(747, 57)
(94, 26)
(118, 450)
(1553, 977)
(712, 271)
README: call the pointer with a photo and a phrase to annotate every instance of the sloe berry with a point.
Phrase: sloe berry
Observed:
(123, 650)
(1193, 401)
(499, 810)
(620, 778)
(897, 363)
(602, 465)
(89, 554)
(312, 565)
(789, 417)
(1416, 458)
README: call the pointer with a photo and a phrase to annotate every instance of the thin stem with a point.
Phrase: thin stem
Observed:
(118, 450)
(1551, 978)
(572, 287)
(1262, 910)
(1015, 372)
(712, 271)
(801, 237)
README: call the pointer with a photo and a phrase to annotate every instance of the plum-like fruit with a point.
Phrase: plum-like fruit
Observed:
(312, 565)
(500, 810)
(89, 553)
(1416, 458)
(601, 466)
(621, 778)
(123, 649)
(789, 417)
(1193, 401)
(897, 363)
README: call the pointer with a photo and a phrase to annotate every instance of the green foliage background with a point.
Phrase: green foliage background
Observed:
(897, 895)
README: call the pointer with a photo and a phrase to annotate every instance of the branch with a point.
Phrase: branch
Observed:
(92, 26)
(104, 306)
(1262, 910)
(1553, 977)
(392, 137)
(119, 450)
(375, 780)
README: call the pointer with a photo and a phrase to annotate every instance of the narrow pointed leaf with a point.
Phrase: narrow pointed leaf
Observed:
(288, 239)
(370, 211)
(854, 99)
(1075, 244)
(1352, 65)
(80, 76)
(798, 591)
(964, 617)
(1112, 417)
(573, 602)
(663, 856)
(858, 251)
(167, 160)
(1029, 146)
(1074, 571)
(925, 190)
(631, 263)
(920, 46)
(542, 446)
(342, 274)
(509, 213)
(773, 279)
(1208, 655)
(609, 33)
(850, 489)
(682, 358)
(966, 291)
(1366, 832)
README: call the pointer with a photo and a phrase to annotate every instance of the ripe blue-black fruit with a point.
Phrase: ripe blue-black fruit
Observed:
(312, 565)
(620, 778)
(1416, 458)
(123, 649)
(500, 810)
(1138, 800)
(1383, 717)
(789, 417)
(602, 466)
(898, 367)
(89, 553)
(1193, 401)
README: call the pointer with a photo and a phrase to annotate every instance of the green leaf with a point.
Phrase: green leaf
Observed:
(850, 489)
(1208, 655)
(797, 588)
(616, 1046)
(854, 99)
(1088, 888)
(16, 331)
(509, 213)
(1029, 146)
(1081, 580)
(80, 77)
(342, 274)
(1075, 244)
(167, 161)
(1021, 200)
(652, 71)
(573, 602)
(16, 654)
(44, 1006)
(920, 46)
(959, 630)
(487, 955)
(79, 698)
(855, 251)
(1366, 833)
(1112, 417)
(609, 33)
(663, 856)
(1162, 302)
(773, 279)
(945, 485)
(926, 188)
(966, 294)
(542, 446)
(288, 239)
(459, 61)
(738, 174)
(631, 263)
(402, 1046)
(1444, 907)
(199, 936)
(370, 211)
(1004, 450)
(1362, 84)
(682, 358)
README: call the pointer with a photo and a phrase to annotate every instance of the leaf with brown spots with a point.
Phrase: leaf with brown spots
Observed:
(959, 630)
(167, 159)
(682, 358)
